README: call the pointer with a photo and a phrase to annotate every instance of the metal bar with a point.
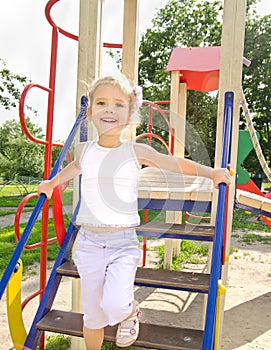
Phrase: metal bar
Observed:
(50, 291)
(208, 339)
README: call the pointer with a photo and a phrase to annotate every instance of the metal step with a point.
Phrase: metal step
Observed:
(178, 231)
(150, 336)
(177, 280)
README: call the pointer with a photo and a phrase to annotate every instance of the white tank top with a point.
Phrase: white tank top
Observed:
(109, 186)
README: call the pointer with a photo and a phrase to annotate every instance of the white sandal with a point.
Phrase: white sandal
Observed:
(128, 330)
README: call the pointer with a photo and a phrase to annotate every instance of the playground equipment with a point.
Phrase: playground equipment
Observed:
(250, 140)
(156, 190)
(152, 336)
(14, 306)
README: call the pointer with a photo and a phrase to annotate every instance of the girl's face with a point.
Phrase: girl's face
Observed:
(110, 110)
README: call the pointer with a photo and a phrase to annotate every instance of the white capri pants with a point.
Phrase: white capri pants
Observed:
(107, 263)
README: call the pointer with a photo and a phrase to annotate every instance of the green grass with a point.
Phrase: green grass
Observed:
(153, 215)
(57, 342)
(244, 221)
(29, 257)
(4, 212)
(62, 342)
(250, 238)
(15, 188)
(14, 201)
(190, 252)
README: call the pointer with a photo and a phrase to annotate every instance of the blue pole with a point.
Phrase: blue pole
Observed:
(52, 285)
(33, 218)
(54, 280)
(208, 339)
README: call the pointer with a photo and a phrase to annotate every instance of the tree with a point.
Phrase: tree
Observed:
(188, 23)
(19, 156)
(182, 23)
(257, 79)
(11, 87)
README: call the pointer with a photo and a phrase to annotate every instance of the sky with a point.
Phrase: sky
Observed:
(25, 37)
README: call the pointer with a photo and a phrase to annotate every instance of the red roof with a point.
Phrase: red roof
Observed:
(198, 66)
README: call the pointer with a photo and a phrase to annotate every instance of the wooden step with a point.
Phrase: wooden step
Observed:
(177, 280)
(150, 336)
(179, 231)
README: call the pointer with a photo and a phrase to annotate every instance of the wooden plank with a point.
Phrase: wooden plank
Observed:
(68, 269)
(174, 194)
(194, 231)
(169, 279)
(249, 199)
(266, 206)
(150, 336)
(157, 183)
(177, 280)
(164, 176)
(253, 200)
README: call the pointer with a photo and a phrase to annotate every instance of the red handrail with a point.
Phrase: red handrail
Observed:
(48, 8)
(150, 135)
(48, 142)
(17, 222)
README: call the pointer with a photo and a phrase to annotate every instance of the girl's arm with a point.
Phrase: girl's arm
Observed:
(69, 172)
(149, 156)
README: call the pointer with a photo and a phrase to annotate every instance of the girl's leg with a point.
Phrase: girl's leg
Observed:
(133, 310)
(91, 266)
(93, 338)
(128, 329)
(118, 298)
(118, 293)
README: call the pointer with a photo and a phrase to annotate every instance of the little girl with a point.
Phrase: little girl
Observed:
(107, 253)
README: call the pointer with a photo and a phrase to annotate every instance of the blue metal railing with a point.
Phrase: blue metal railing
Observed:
(52, 285)
(28, 229)
(215, 275)
(54, 280)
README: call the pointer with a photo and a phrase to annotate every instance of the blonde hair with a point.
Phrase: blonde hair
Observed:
(126, 87)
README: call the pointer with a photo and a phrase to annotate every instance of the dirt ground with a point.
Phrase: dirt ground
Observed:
(247, 317)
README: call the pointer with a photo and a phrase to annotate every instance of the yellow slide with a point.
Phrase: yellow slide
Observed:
(14, 309)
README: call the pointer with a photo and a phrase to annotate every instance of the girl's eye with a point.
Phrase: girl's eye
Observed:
(119, 105)
(100, 103)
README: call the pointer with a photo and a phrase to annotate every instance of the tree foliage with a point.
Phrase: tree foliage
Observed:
(19, 156)
(189, 23)
(182, 23)
(257, 77)
(11, 86)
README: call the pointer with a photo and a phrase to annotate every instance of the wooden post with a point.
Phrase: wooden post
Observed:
(177, 120)
(233, 33)
(130, 39)
(89, 68)
(130, 49)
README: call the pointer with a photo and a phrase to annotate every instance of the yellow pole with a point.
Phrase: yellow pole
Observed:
(221, 291)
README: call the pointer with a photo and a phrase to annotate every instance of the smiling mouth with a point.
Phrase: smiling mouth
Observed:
(108, 120)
